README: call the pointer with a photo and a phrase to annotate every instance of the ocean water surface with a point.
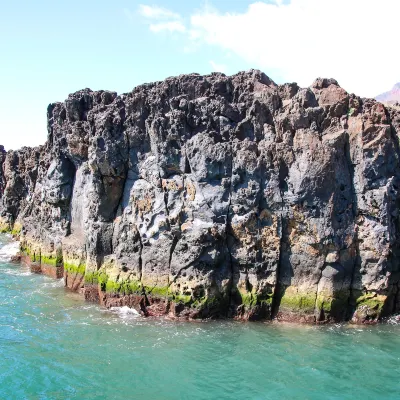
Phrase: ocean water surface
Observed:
(53, 345)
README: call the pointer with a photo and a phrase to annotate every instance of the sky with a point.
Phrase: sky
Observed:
(49, 49)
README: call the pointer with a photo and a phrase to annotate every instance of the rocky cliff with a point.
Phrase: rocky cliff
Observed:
(216, 196)
(2, 179)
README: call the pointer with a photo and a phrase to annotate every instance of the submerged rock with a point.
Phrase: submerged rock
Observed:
(215, 196)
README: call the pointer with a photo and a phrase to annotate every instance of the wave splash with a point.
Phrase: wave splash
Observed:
(8, 251)
(125, 312)
(394, 320)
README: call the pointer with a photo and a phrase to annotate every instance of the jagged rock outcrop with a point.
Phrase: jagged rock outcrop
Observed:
(20, 174)
(216, 196)
(3, 154)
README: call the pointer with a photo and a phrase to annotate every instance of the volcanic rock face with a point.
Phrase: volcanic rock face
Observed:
(2, 179)
(215, 196)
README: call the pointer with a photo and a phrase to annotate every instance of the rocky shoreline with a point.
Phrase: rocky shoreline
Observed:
(215, 197)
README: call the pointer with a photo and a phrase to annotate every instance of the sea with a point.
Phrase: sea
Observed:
(54, 345)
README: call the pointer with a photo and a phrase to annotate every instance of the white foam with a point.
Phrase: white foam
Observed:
(9, 250)
(16, 272)
(394, 320)
(54, 283)
(125, 311)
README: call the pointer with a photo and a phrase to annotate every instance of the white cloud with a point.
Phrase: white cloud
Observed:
(170, 21)
(218, 67)
(155, 12)
(353, 41)
(172, 26)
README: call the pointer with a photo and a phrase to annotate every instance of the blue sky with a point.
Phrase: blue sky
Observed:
(52, 48)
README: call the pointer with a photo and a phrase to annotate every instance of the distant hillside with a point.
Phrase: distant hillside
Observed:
(392, 96)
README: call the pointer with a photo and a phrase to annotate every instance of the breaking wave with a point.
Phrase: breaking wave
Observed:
(394, 320)
(125, 312)
(8, 251)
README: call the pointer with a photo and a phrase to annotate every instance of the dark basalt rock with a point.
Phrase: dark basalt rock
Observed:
(3, 154)
(215, 196)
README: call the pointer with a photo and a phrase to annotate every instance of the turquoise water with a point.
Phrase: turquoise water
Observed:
(53, 345)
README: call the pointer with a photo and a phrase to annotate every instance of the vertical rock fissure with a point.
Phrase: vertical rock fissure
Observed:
(171, 252)
(396, 299)
(276, 298)
(165, 197)
(321, 312)
(118, 209)
(231, 285)
(140, 257)
(351, 170)
(176, 235)
(172, 248)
